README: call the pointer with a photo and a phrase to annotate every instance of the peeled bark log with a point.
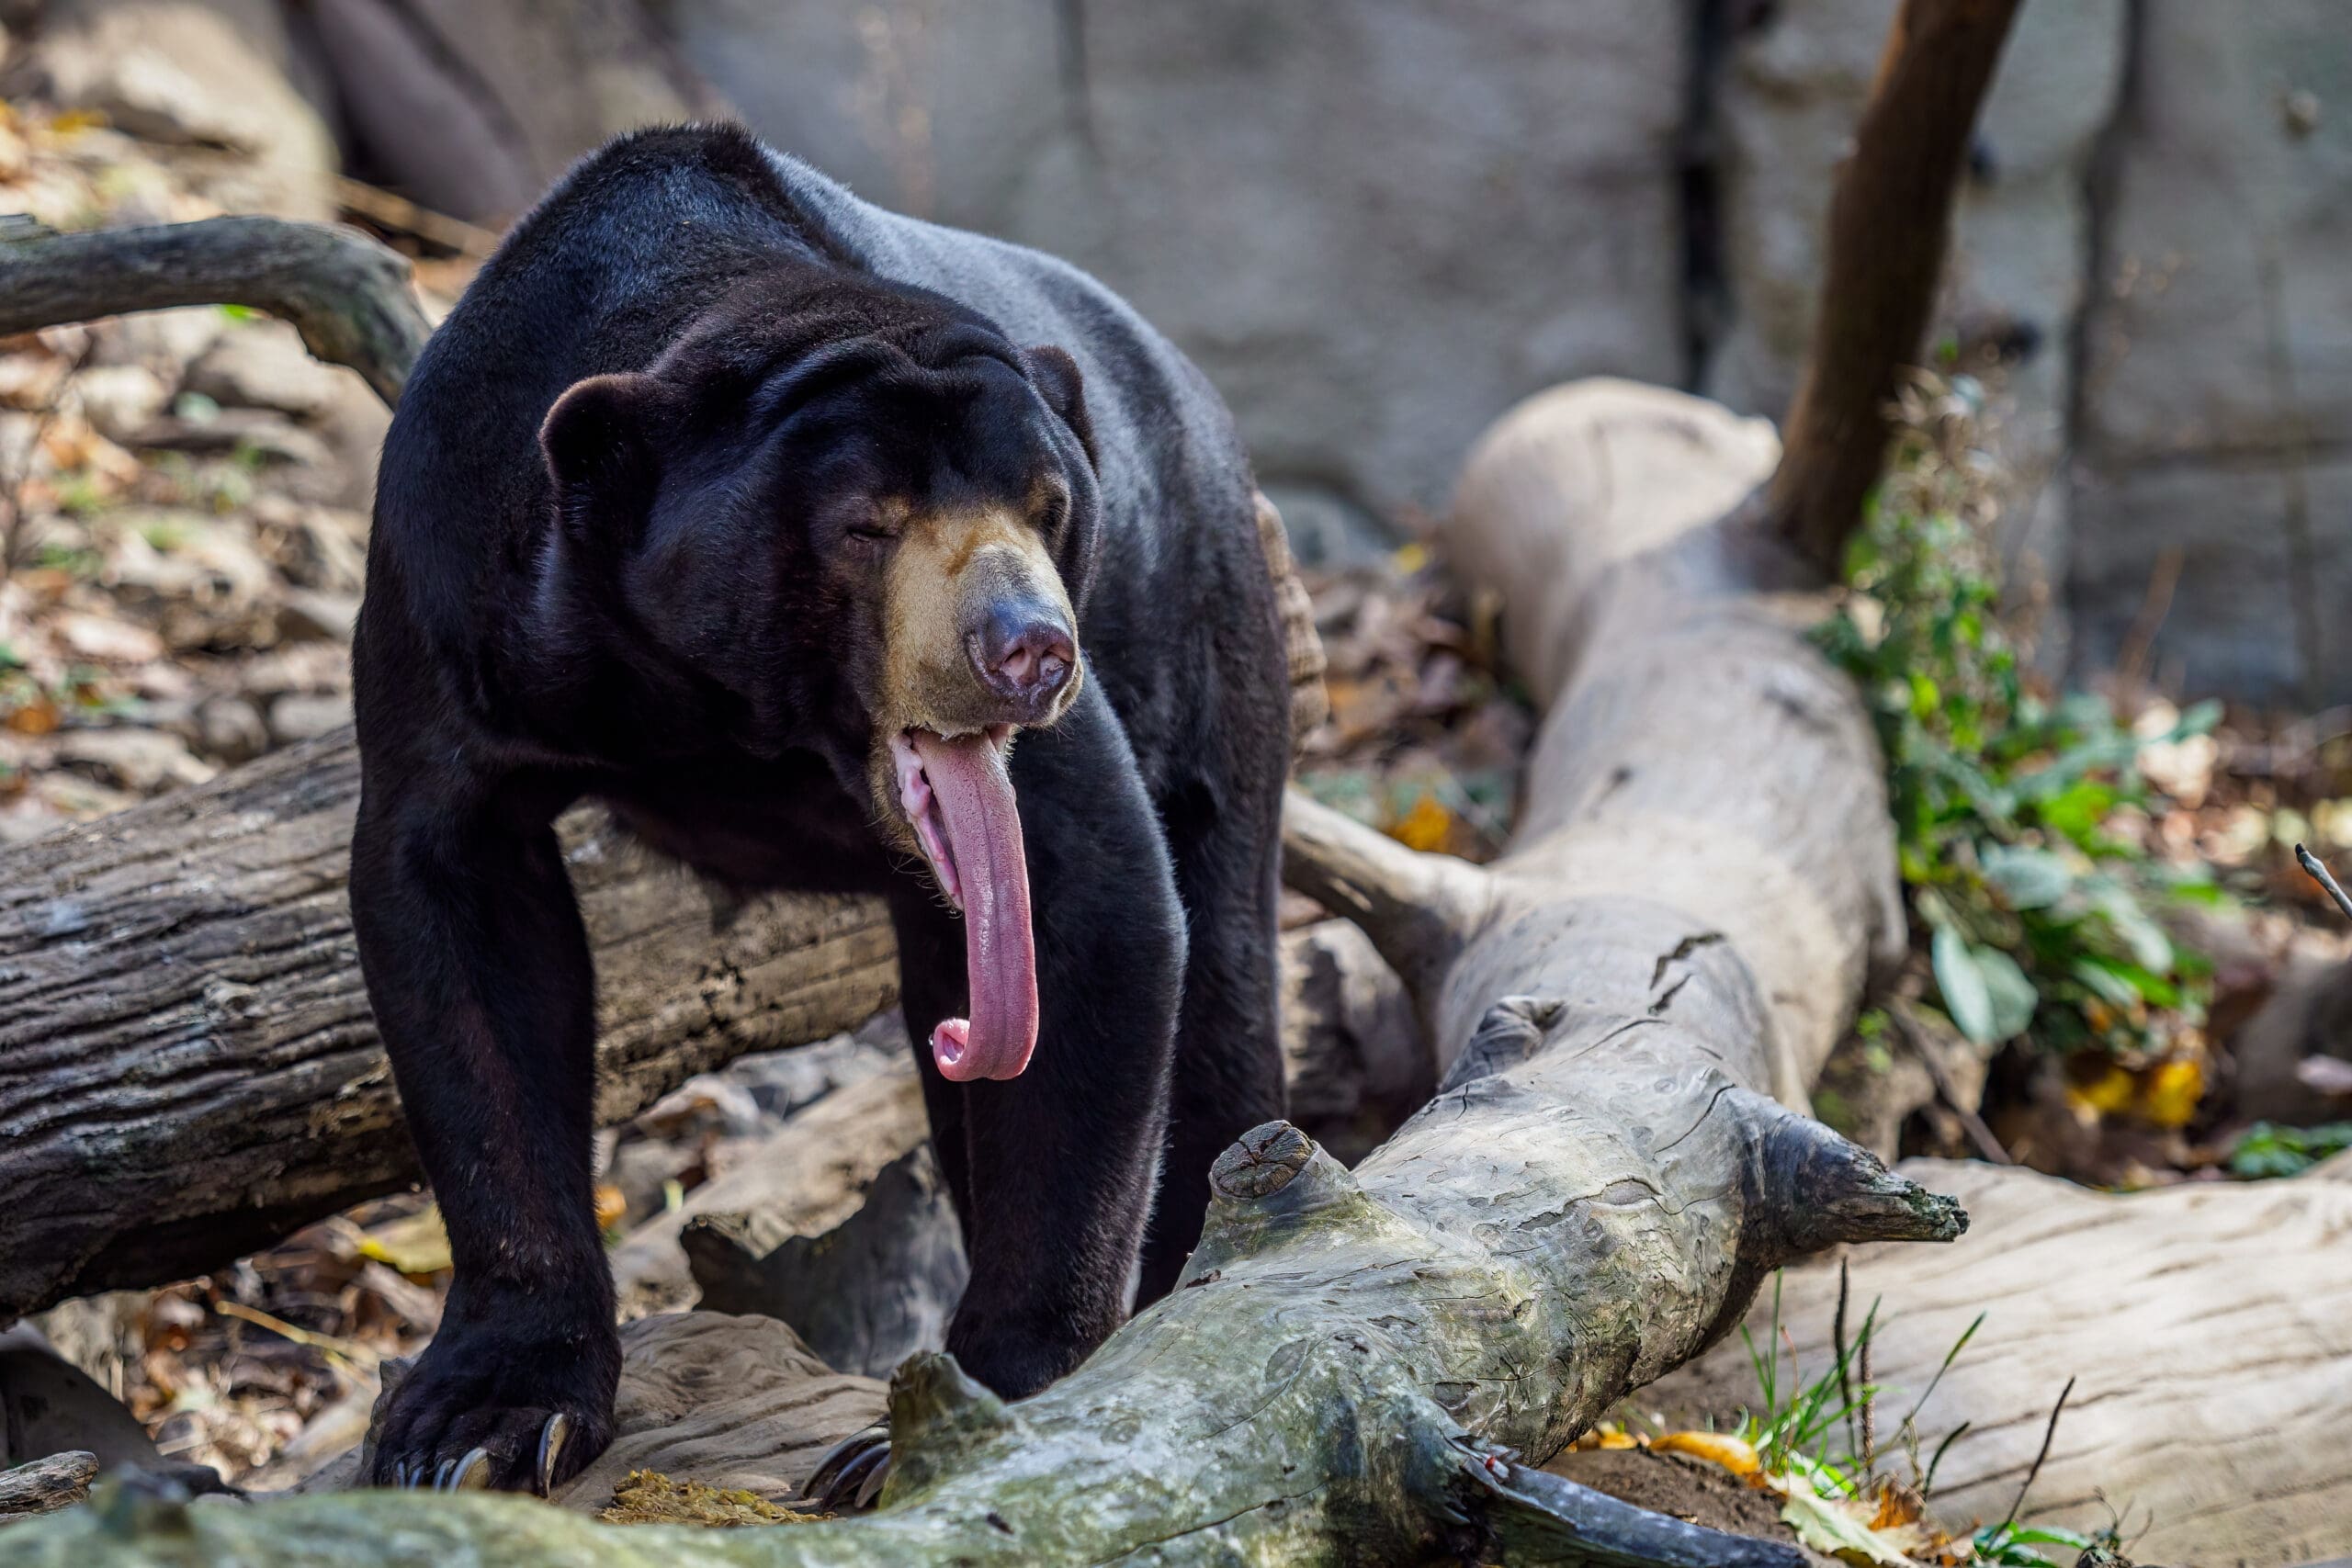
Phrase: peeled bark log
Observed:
(188, 1070)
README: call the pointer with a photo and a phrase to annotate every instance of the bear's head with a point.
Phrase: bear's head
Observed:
(860, 521)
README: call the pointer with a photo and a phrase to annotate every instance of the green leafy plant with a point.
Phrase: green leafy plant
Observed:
(2012, 1544)
(2038, 914)
(1795, 1422)
(1796, 1425)
(2267, 1150)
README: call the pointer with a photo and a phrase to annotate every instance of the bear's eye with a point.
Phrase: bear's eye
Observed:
(872, 522)
(1053, 512)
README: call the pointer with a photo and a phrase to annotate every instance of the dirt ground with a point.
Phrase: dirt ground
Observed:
(1691, 1490)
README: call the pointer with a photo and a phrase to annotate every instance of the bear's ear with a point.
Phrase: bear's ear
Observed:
(602, 441)
(1056, 376)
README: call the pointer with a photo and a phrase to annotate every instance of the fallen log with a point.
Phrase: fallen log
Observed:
(188, 1070)
(2201, 1323)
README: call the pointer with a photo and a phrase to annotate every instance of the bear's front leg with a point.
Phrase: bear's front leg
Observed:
(1053, 1171)
(484, 993)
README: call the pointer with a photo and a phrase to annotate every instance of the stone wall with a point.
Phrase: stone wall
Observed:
(1789, 90)
(1377, 223)
(2215, 448)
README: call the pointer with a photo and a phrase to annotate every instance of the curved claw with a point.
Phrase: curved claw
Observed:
(860, 1479)
(871, 1487)
(552, 1438)
(470, 1473)
(846, 1465)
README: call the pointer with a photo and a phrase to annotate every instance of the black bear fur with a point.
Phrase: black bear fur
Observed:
(662, 600)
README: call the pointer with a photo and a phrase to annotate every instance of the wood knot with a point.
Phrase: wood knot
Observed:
(1261, 1162)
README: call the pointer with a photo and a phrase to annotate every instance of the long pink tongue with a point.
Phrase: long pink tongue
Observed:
(975, 797)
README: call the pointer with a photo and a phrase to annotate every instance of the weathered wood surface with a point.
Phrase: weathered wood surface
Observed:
(188, 1070)
(45, 1486)
(2208, 1328)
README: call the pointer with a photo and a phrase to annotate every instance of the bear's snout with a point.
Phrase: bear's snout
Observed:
(1023, 650)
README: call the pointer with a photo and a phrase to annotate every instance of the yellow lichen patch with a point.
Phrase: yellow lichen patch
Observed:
(649, 1497)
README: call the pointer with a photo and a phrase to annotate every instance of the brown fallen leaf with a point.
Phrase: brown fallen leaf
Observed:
(612, 1206)
(38, 717)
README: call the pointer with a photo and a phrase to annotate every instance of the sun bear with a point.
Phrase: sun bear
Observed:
(831, 551)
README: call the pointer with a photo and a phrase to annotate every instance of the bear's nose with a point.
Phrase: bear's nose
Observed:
(1024, 652)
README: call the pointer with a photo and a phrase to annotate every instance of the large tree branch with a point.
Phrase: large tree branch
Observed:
(1417, 910)
(1890, 220)
(348, 296)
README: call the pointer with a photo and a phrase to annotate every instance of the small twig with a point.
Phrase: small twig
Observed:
(2048, 1434)
(2164, 579)
(380, 206)
(1837, 1343)
(354, 1358)
(12, 534)
(1974, 1125)
(2317, 870)
(1869, 1408)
